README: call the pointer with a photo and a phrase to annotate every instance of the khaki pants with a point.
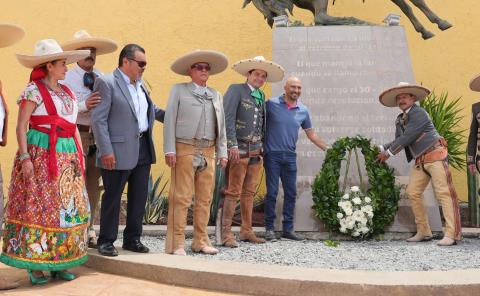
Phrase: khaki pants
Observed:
(243, 179)
(92, 175)
(439, 174)
(187, 181)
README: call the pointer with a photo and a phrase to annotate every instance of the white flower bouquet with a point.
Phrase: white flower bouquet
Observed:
(356, 213)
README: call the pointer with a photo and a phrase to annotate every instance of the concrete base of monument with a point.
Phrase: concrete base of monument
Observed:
(263, 279)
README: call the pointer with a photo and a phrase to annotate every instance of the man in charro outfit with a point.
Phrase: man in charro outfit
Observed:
(416, 134)
(245, 116)
(473, 147)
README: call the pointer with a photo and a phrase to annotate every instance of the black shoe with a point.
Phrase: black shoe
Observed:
(135, 246)
(292, 235)
(270, 235)
(107, 249)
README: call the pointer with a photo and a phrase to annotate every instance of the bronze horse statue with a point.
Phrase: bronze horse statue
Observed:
(273, 8)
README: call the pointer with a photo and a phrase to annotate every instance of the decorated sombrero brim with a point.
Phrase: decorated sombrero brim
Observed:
(218, 61)
(275, 72)
(389, 97)
(10, 34)
(48, 50)
(82, 39)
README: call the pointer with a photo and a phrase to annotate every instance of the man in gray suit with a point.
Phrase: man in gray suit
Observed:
(122, 124)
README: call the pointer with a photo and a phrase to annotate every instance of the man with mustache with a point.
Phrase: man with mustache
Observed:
(80, 80)
(285, 116)
(416, 134)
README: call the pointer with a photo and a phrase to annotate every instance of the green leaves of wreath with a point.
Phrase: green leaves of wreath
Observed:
(381, 188)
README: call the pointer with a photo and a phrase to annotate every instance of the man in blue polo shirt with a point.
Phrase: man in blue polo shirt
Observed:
(285, 115)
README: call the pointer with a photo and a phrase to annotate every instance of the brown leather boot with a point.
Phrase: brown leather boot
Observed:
(228, 239)
(246, 231)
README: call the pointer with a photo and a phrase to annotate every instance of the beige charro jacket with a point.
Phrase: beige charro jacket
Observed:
(182, 117)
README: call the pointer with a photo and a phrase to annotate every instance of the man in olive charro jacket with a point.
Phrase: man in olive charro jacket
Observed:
(193, 138)
(416, 134)
(245, 116)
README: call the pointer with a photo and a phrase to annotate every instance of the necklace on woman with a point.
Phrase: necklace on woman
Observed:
(67, 102)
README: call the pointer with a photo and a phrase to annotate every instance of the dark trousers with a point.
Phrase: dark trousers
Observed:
(114, 182)
(280, 165)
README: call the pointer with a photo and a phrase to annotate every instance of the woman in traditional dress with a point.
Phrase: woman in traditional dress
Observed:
(47, 214)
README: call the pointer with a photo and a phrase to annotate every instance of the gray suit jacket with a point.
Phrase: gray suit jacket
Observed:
(182, 117)
(418, 134)
(115, 123)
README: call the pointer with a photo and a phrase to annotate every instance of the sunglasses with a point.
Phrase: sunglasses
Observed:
(141, 64)
(201, 67)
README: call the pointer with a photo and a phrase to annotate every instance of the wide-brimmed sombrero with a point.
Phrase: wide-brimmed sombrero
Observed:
(10, 34)
(82, 39)
(217, 61)
(475, 83)
(389, 97)
(275, 72)
(47, 50)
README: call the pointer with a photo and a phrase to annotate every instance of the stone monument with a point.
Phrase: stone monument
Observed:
(343, 70)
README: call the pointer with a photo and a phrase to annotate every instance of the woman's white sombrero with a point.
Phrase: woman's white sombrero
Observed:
(275, 72)
(82, 39)
(475, 83)
(389, 97)
(48, 50)
(218, 61)
(10, 34)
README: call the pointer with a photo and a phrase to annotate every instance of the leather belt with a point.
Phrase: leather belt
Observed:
(250, 154)
(83, 128)
(200, 143)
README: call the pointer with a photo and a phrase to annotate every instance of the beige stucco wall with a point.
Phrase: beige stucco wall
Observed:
(169, 28)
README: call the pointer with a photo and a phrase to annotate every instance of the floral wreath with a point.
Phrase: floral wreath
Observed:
(382, 193)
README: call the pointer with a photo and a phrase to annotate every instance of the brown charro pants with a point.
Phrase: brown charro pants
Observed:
(187, 181)
(439, 173)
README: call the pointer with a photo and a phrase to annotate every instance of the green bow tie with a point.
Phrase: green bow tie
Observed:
(258, 95)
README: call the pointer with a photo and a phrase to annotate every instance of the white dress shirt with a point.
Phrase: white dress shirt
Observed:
(139, 102)
(74, 81)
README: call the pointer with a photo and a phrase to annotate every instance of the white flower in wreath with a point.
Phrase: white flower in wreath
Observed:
(363, 222)
(358, 215)
(354, 189)
(343, 230)
(355, 234)
(348, 211)
(357, 200)
(339, 215)
(364, 230)
(346, 196)
(368, 199)
(350, 223)
(368, 208)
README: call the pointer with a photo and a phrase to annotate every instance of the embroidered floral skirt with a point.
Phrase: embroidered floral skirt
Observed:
(46, 219)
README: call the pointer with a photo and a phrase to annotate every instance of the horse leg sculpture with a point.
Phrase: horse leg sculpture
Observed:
(442, 24)
(407, 10)
(322, 18)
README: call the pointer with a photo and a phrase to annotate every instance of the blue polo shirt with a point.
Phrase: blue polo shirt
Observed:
(283, 125)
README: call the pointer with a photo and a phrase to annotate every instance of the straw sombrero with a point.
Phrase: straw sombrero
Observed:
(47, 50)
(475, 83)
(10, 34)
(82, 39)
(217, 61)
(389, 97)
(274, 71)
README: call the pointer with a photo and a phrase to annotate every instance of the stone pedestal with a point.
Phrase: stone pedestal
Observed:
(343, 70)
